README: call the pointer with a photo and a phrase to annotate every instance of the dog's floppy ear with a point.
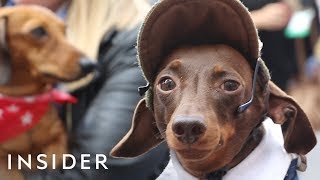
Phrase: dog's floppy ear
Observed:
(5, 67)
(297, 131)
(142, 136)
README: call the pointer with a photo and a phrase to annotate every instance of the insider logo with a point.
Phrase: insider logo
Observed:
(69, 161)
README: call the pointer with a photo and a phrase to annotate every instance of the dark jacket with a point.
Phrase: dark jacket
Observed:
(103, 116)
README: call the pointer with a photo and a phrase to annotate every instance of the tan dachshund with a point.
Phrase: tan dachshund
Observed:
(34, 54)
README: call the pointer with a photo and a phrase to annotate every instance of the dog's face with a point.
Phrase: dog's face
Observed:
(195, 98)
(35, 40)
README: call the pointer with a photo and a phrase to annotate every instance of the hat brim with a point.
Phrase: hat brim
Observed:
(171, 23)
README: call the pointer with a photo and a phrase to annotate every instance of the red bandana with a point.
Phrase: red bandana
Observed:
(19, 114)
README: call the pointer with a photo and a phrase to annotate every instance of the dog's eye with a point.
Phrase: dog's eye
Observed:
(230, 85)
(167, 84)
(39, 32)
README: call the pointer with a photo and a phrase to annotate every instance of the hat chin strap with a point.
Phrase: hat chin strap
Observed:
(244, 106)
(143, 89)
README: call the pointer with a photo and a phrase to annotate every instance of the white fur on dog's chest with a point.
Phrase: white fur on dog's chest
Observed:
(268, 161)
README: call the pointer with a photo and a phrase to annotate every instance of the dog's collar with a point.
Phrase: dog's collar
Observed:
(19, 114)
(268, 156)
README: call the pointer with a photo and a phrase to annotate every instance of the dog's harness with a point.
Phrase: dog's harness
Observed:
(19, 114)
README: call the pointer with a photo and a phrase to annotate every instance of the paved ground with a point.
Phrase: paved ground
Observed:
(313, 170)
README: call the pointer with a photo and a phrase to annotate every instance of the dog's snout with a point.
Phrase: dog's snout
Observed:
(188, 129)
(87, 65)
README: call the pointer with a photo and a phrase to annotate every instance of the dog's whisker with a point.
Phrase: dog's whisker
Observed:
(160, 134)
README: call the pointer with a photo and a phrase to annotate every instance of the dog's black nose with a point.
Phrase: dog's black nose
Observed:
(188, 129)
(87, 65)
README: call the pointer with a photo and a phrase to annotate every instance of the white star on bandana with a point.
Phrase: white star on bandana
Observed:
(26, 119)
(29, 99)
(13, 108)
(19, 114)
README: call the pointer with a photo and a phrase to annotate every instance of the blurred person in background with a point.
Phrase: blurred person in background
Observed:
(105, 30)
(282, 53)
(270, 18)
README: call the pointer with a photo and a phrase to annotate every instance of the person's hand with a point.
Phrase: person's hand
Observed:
(274, 16)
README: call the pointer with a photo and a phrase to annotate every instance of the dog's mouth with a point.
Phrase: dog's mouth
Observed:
(194, 153)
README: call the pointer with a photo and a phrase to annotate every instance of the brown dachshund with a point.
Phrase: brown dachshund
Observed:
(211, 99)
(195, 105)
(34, 54)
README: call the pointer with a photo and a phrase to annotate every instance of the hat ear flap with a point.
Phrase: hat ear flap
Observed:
(142, 136)
(297, 131)
(5, 66)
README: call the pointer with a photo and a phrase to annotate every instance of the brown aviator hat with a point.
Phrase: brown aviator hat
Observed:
(171, 23)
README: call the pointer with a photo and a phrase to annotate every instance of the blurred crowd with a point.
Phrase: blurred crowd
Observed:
(106, 30)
